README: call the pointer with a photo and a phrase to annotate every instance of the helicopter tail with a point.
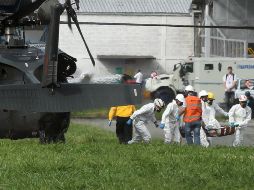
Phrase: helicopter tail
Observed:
(68, 98)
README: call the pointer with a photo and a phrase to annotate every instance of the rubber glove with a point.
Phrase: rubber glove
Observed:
(177, 117)
(232, 124)
(129, 122)
(109, 123)
(162, 126)
(236, 125)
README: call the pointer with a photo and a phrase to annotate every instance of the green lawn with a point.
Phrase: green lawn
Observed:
(92, 159)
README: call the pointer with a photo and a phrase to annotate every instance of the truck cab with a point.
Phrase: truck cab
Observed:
(166, 86)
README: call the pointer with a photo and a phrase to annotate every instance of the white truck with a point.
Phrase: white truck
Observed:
(202, 74)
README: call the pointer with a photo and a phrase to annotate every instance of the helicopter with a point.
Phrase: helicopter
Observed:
(36, 98)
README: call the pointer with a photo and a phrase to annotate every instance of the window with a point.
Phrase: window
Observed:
(251, 50)
(208, 67)
(246, 84)
(119, 70)
(189, 67)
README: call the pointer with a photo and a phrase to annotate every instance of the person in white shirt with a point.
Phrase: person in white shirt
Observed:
(141, 118)
(139, 77)
(169, 120)
(239, 117)
(229, 81)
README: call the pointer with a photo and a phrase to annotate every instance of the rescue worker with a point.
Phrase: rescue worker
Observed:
(141, 119)
(250, 103)
(169, 122)
(239, 117)
(209, 111)
(122, 113)
(203, 95)
(192, 116)
(204, 141)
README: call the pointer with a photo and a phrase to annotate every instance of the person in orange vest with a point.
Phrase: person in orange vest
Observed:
(122, 113)
(192, 116)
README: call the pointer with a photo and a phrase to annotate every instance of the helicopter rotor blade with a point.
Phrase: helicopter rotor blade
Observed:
(77, 4)
(68, 4)
(73, 15)
(69, 22)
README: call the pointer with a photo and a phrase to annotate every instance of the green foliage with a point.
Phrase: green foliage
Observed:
(92, 159)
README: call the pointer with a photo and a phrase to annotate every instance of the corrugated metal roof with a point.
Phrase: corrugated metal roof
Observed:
(136, 6)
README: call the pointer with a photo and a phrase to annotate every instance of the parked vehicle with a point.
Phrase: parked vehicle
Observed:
(201, 73)
(242, 88)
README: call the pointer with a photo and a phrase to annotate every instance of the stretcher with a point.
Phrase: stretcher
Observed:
(223, 131)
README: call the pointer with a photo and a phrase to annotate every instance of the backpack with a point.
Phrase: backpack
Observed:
(233, 76)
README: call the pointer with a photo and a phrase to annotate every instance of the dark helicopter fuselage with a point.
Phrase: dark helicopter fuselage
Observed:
(35, 97)
(23, 64)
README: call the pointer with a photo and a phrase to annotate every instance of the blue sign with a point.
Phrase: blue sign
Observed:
(245, 66)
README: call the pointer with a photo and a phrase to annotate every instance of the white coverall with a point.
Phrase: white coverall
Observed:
(240, 116)
(141, 118)
(171, 128)
(208, 117)
(203, 138)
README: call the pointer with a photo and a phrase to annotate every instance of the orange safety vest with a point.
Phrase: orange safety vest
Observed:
(193, 111)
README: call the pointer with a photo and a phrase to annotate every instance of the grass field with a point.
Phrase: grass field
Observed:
(92, 159)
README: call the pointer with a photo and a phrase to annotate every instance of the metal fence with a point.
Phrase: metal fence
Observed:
(215, 44)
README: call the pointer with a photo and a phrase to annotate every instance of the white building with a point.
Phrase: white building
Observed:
(124, 49)
(222, 42)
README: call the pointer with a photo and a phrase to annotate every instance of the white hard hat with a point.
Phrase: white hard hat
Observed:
(180, 98)
(189, 88)
(159, 103)
(243, 98)
(202, 93)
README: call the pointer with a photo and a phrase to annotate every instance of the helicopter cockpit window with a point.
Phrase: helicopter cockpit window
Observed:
(15, 36)
(2, 40)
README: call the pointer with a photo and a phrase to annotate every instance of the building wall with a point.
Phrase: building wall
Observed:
(235, 13)
(168, 45)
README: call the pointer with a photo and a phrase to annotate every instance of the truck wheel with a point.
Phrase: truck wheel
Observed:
(166, 94)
